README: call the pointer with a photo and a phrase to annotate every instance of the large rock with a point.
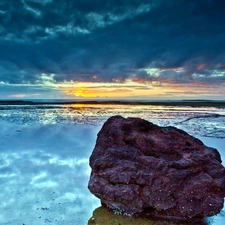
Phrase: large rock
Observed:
(141, 169)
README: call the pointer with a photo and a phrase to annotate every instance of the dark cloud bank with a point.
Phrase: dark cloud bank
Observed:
(76, 40)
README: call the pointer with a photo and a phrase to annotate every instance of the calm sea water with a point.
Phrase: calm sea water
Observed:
(203, 121)
(45, 149)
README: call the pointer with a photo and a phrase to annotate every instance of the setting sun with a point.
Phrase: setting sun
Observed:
(131, 89)
(77, 91)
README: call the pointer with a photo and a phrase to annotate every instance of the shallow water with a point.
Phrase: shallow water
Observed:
(44, 153)
(203, 121)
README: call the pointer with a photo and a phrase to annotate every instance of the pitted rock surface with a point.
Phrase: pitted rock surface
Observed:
(141, 169)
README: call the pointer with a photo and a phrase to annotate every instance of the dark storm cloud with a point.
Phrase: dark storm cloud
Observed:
(112, 40)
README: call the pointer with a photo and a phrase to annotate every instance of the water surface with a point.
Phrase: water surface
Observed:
(45, 149)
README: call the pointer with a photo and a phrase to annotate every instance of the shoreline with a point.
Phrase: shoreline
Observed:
(191, 103)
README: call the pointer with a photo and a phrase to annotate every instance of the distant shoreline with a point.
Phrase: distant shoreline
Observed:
(192, 103)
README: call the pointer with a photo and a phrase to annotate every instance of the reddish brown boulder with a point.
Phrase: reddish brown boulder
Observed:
(141, 169)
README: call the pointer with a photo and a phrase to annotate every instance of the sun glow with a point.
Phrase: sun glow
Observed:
(127, 89)
(136, 88)
(98, 91)
(133, 89)
(78, 91)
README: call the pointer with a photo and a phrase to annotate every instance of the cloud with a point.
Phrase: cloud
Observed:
(27, 91)
(79, 40)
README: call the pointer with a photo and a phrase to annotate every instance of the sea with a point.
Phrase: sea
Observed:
(45, 149)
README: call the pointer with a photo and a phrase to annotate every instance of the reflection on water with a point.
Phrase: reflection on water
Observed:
(103, 216)
(44, 173)
(44, 153)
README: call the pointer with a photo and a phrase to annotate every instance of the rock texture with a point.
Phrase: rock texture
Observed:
(141, 169)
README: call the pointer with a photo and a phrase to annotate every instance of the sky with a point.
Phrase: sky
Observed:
(112, 49)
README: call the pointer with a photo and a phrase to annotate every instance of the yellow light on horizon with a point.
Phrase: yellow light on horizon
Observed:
(78, 91)
(133, 88)
(99, 90)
